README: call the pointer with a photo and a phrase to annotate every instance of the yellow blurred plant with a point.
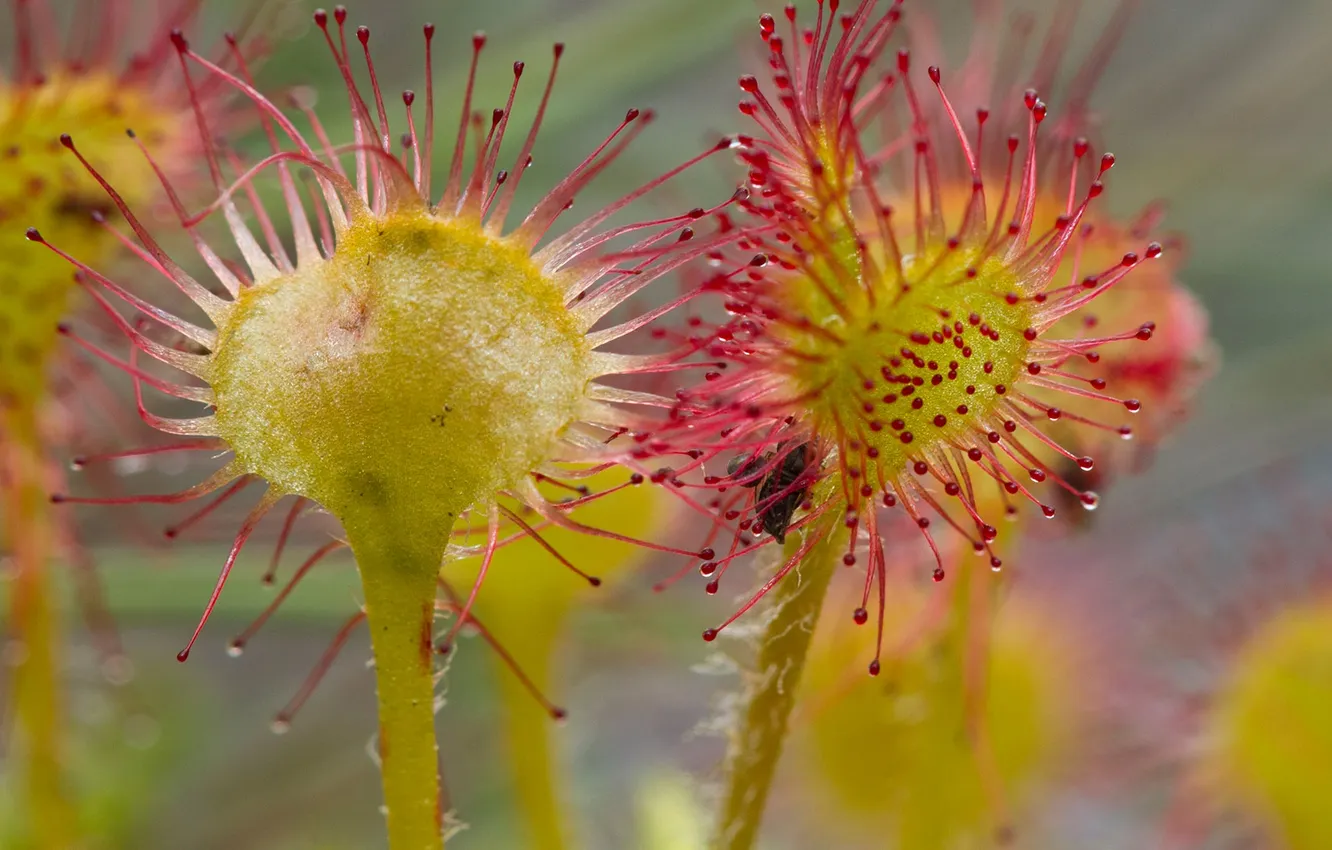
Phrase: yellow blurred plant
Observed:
(71, 76)
(526, 605)
(953, 740)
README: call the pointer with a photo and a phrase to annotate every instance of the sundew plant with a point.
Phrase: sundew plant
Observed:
(413, 362)
(915, 345)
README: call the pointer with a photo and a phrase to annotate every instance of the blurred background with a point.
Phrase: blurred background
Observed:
(1217, 106)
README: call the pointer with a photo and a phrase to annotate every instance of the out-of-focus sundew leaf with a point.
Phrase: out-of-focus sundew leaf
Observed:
(1272, 747)
(925, 755)
(526, 603)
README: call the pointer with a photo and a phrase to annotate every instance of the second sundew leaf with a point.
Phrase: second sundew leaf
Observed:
(901, 345)
(918, 316)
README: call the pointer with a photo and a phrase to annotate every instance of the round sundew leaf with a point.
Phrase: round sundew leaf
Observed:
(416, 372)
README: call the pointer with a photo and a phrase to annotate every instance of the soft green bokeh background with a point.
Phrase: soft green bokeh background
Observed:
(1218, 106)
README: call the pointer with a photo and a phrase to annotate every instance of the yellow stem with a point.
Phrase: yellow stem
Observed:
(756, 747)
(527, 734)
(38, 711)
(399, 587)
